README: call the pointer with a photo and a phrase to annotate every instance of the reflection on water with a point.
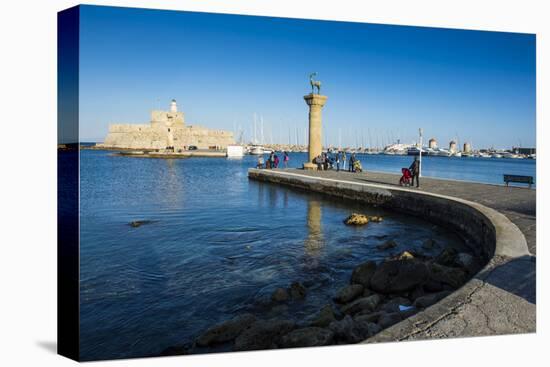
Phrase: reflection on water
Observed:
(314, 242)
(172, 186)
(217, 245)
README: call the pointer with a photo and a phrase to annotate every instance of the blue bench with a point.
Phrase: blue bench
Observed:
(518, 179)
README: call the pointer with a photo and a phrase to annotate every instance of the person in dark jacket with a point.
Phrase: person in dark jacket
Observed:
(351, 163)
(272, 160)
(415, 171)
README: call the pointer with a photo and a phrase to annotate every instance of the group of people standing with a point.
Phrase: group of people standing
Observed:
(323, 162)
(326, 161)
(273, 161)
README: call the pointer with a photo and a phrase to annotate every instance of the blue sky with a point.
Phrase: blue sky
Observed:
(382, 82)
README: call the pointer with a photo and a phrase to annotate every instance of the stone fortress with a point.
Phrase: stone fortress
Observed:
(166, 130)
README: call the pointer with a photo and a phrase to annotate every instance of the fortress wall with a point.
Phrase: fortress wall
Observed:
(199, 130)
(129, 136)
(128, 128)
(135, 139)
(202, 138)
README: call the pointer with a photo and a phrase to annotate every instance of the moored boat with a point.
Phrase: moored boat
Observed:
(235, 151)
(414, 151)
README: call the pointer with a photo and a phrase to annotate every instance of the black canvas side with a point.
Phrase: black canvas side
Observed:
(68, 184)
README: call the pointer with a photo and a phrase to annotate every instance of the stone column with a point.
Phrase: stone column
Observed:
(315, 103)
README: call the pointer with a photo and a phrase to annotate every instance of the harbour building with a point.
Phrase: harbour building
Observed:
(166, 130)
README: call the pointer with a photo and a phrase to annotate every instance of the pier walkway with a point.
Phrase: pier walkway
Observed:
(500, 300)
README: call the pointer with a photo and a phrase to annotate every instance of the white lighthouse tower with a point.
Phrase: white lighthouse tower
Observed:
(173, 106)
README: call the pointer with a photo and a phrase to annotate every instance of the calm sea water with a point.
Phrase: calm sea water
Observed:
(219, 244)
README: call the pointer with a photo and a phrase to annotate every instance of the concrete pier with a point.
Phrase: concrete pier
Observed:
(501, 298)
(315, 103)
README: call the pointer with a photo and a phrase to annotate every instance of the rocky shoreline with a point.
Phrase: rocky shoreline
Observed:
(379, 295)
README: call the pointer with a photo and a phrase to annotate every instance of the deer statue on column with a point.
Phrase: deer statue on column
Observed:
(314, 84)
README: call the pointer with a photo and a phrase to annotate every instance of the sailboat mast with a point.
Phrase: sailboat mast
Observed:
(262, 130)
(255, 140)
(289, 142)
(370, 139)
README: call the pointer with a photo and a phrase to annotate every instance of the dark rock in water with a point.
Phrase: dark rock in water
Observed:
(433, 286)
(367, 292)
(446, 257)
(279, 309)
(398, 276)
(280, 295)
(263, 301)
(297, 291)
(362, 304)
(464, 260)
(263, 335)
(225, 331)
(388, 245)
(349, 293)
(389, 319)
(343, 330)
(454, 277)
(324, 317)
(417, 292)
(139, 223)
(468, 262)
(430, 299)
(429, 244)
(369, 317)
(348, 330)
(362, 274)
(393, 304)
(307, 337)
(372, 327)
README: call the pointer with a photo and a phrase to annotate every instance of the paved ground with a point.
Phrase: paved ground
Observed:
(501, 300)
